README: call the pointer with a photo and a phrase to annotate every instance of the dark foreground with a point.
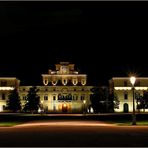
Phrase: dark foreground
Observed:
(72, 131)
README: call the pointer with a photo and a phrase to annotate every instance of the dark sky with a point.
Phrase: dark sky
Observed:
(103, 39)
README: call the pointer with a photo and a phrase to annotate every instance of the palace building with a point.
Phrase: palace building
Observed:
(64, 90)
(6, 85)
(122, 88)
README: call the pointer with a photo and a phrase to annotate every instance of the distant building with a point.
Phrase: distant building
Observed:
(64, 90)
(6, 85)
(122, 87)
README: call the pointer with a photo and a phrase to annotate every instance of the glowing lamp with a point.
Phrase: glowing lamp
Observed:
(84, 101)
(64, 105)
(133, 80)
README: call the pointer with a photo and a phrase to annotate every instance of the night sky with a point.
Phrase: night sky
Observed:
(103, 39)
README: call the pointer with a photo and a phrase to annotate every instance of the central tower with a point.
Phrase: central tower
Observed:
(65, 75)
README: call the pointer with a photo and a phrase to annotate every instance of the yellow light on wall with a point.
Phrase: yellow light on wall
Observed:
(75, 81)
(122, 88)
(129, 88)
(64, 105)
(45, 81)
(141, 88)
(83, 81)
(6, 88)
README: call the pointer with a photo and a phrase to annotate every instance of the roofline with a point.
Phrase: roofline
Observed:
(12, 78)
(64, 75)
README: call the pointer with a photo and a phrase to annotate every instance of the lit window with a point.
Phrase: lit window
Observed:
(46, 97)
(125, 95)
(75, 97)
(24, 97)
(82, 97)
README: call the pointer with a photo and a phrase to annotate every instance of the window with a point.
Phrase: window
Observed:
(74, 89)
(54, 89)
(82, 89)
(82, 97)
(23, 89)
(54, 98)
(24, 97)
(46, 97)
(125, 83)
(4, 107)
(3, 83)
(75, 97)
(137, 83)
(125, 95)
(46, 89)
(3, 97)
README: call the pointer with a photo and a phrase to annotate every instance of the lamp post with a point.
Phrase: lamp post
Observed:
(133, 80)
(84, 102)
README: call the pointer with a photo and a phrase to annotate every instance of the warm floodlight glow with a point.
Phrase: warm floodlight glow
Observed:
(6, 88)
(122, 88)
(39, 110)
(84, 101)
(64, 105)
(133, 80)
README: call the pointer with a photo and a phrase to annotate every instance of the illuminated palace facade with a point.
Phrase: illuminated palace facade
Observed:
(122, 88)
(64, 90)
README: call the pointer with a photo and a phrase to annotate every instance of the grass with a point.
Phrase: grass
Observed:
(9, 124)
(7, 120)
(128, 123)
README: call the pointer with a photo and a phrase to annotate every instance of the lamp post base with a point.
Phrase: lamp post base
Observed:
(134, 120)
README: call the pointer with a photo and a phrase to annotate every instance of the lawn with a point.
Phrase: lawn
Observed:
(9, 124)
(140, 123)
(8, 120)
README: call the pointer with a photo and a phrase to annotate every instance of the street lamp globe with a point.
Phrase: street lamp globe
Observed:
(84, 101)
(133, 80)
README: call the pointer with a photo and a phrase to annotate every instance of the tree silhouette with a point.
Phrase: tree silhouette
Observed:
(98, 99)
(113, 102)
(32, 100)
(13, 102)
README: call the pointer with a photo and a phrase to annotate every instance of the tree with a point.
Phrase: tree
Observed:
(98, 99)
(13, 102)
(32, 100)
(113, 102)
(142, 101)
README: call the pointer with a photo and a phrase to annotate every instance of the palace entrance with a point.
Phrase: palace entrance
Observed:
(64, 108)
